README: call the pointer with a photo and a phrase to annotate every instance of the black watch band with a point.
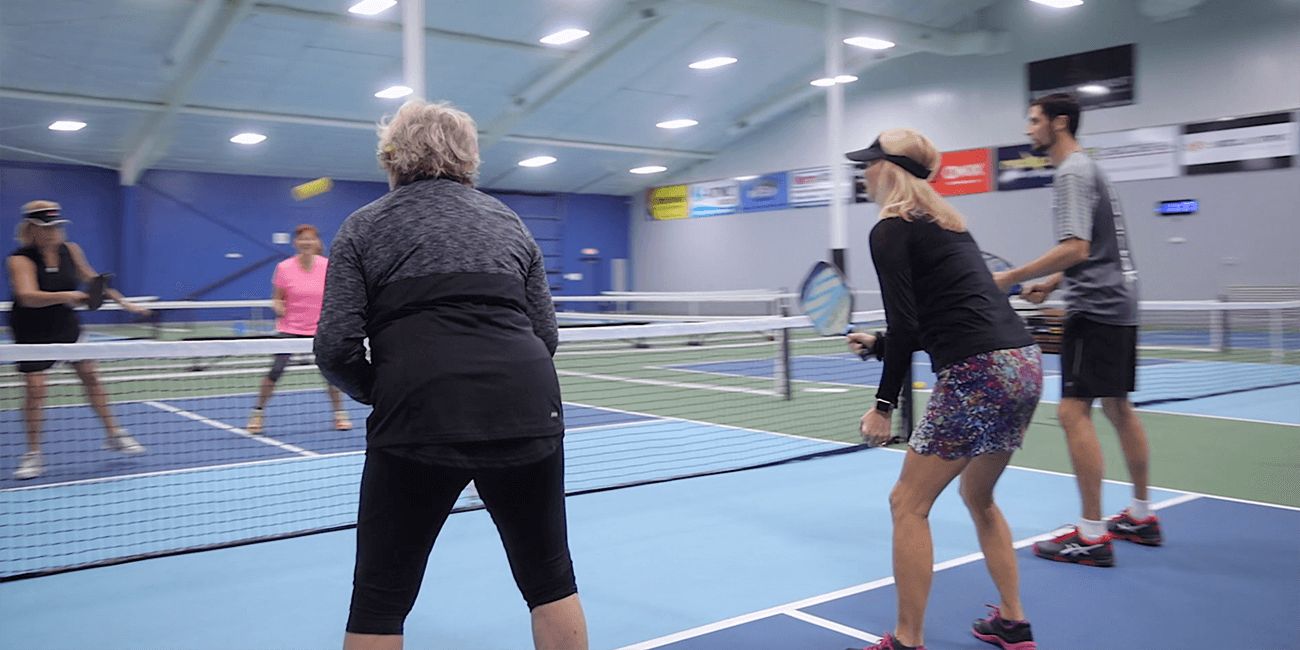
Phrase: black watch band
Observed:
(884, 406)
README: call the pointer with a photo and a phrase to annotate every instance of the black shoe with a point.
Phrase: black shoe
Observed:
(1145, 532)
(1010, 635)
(1070, 547)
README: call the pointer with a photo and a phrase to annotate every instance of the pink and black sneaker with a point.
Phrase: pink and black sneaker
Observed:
(890, 643)
(1008, 635)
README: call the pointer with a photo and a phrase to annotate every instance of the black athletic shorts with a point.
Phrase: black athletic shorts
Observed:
(1098, 360)
(404, 504)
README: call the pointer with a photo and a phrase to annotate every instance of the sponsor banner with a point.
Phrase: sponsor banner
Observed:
(668, 202)
(1020, 170)
(767, 192)
(964, 172)
(714, 198)
(1242, 144)
(808, 187)
(1136, 154)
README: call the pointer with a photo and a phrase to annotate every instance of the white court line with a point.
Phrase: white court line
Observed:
(663, 418)
(671, 384)
(233, 429)
(788, 608)
(833, 626)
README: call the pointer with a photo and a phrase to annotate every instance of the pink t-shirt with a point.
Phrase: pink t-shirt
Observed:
(302, 292)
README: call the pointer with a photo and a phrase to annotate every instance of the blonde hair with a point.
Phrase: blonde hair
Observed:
(902, 195)
(428, 140)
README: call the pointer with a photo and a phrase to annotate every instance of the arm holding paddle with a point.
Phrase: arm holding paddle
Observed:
(22, 273)
(1069, 252)
(99, 284)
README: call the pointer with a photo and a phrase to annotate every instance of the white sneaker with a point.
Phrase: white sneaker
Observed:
(121, 441)
(341, 421)
(30, 467)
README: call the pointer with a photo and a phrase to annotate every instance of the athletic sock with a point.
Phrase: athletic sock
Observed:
(1140, 509)
(1091, 530)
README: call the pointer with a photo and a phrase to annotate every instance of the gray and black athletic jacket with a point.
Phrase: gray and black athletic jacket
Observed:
(451, 290)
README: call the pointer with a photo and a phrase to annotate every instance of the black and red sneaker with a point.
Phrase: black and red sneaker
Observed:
(888, 643)
(1145, 531)
(1009, 635)
(1072, 547)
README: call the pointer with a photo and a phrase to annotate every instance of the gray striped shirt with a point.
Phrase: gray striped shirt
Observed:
(1103, 287)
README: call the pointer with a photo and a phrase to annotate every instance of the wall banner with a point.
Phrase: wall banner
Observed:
(767, 192)
(1136, 154)
(964, 172)
(714, 198)
(809, 187)
(1238, 145)
(1020, 170)
(668, 202)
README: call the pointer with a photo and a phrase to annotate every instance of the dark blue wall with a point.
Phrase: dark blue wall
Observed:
(169, 235)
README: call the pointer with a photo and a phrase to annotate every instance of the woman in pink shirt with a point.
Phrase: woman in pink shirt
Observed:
(296, 292)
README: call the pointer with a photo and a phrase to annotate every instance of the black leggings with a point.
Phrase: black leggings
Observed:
(404, 504)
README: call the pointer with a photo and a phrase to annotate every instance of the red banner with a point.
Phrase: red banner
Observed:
(964, 172)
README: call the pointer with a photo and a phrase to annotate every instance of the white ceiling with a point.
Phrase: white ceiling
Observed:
(304, 72)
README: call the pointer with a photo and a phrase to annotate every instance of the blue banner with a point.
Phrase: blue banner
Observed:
(1020, 170)
(767, 192)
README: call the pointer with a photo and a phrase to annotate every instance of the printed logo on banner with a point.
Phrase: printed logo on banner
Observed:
(714, 198)
(668, 202)
(964, 172)
(808, 187)
(1135, 154)
(1242, 144)
(1018, 169)
(767, 192)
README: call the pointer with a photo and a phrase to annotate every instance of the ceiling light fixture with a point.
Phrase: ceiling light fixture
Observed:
(1094, 89)
(652, 169)
(537, 161)
(845, 79)
(676, 124)
(823, 82)
(745, 178)
(565, 36)
(393, 92)
(248, 138)
(869, 43)
(1060, 4)
(371, 7)
(709, 64)
(67, 125)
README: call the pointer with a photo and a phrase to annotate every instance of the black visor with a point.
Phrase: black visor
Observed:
(46, 217)
(874, 152)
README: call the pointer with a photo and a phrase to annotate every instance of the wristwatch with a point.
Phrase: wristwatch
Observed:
(884, 406)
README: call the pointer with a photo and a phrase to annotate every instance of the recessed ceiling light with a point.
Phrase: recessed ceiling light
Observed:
(371, 7)
(248, 138)
(537, 161)
(1093, 89)
(869, 43)
(845, 79)
(746, 178)
(565, 36)
(823, 82)
(393, 92)
(1060, 4)
(715, 62)
(652, 169)
(67, 125)
(676, 124)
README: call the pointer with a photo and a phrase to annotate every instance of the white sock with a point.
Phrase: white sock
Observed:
(1092, 530)
(1140, 509)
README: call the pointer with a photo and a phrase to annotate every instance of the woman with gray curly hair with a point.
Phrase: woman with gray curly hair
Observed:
(451, 290)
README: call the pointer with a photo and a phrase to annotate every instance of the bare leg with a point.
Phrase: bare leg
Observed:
(1132, 439)
(88, 372)
(922, 480)
(1085, 452)
(560, 625)
(372, 641)
(977, 484)
(336, 397)
(264, 394)
(34, 408)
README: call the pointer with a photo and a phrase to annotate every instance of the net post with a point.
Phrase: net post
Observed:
(1219, 327)
(782, 374)
(1276, 340)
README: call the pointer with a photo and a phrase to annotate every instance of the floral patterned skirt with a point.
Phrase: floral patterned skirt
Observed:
(982, 404)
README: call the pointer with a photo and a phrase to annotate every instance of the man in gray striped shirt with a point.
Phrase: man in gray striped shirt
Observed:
(1099, 347)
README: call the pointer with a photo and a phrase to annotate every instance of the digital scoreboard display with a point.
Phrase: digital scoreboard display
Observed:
(1182, 206)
